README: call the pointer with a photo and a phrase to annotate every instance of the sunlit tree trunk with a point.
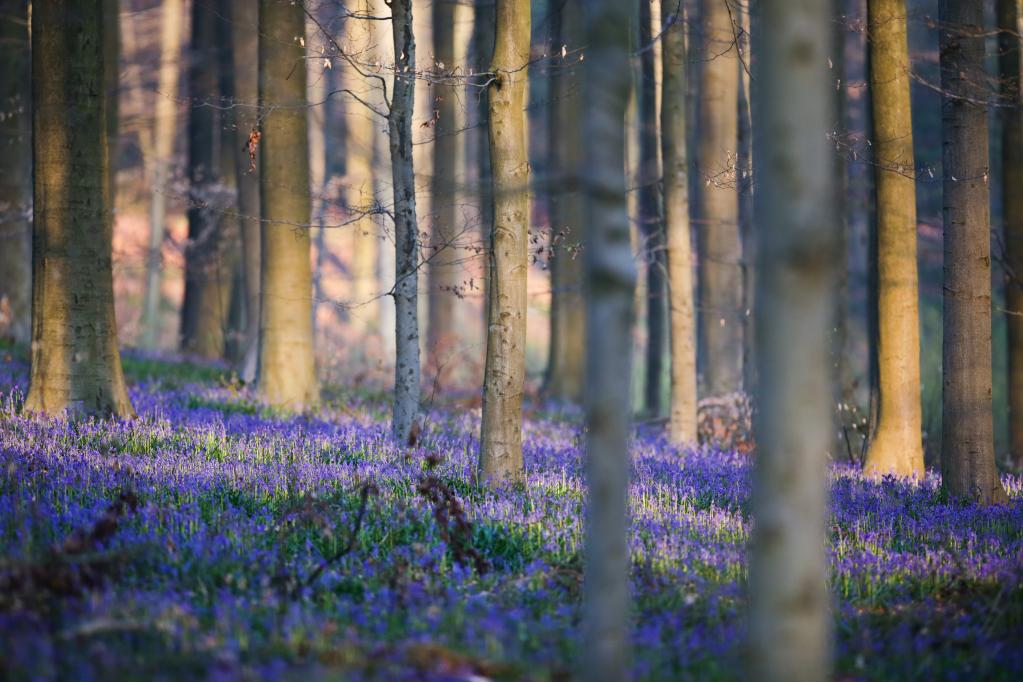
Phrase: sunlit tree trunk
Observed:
(648, 203)
(406, 230)
(721, 316)
(897, 446)
(445, 273)
(203, 311)
(76, 365)
(505, 372)
(682, 410)
(567, 354)
(610, 290)
(15, 172)
(287, 376)
(796, 272)
(165, 125)
(361, 125)
(967, 438)
(1012, 211)
(244, 119)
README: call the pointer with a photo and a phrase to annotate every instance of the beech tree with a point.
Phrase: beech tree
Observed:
(682, 410)
(504, 374)
(443, 269)
(967, 435)
(203, 310)
(76, 365)
(567, 348)
(406, 227)
(897, 446)
(1012, 211)
(610, 290)
(796, 271)
(286, 372)
(244, 122)
(15, 172)
(165, 125)
(648, 205)
(716, 207)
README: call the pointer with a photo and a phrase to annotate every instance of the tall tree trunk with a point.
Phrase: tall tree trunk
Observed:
(567, 356)
(406, 229)
(287, 375)
(796, 269)
(651, 228)
(244, 123)
(361, 186)
(967, 435)
(744, 186)
(721, 317)
(897, 447)
(203, 311)
(443, 269)
(1012, 211)
(15, 172)
(76, 365)
(482, 51)
(165, 124)
(505, 372)
(112, 87)
(610, 292)
(682, 411)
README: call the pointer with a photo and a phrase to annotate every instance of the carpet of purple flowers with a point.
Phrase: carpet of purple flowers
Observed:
(212, 538)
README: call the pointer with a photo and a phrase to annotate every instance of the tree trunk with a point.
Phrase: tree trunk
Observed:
(406, 229)
(165, 123)
(505, 371)
(610, 292)
(967, 438)
(443, 269)
(360, 183)
(682, 412)
(203, 311)
(287, 375)
(897, 447)
(76, 365)
(648, 203)
(567, 354)
(1012, 212)
(244, 122)
(112, 88)
(796, 271)
(482, 51)
(717, 203)
(15, 173)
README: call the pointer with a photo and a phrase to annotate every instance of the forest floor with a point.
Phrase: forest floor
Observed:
(213, 538)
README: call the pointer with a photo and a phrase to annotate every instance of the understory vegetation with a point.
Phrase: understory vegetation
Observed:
(212, 536)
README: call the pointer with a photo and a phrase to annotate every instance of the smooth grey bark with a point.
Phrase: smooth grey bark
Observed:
(76, 364)
(610, 290)
(15, 172)
(1012, 211)
(567, 350)
(165, 124)
(443, 269)
(789, 623)
(482, 51)
(650, 223)
(406, 228)
(967, 435)
(682, 427)
(244, 119)
(716, 202)
(286, 373)
(505, 371)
